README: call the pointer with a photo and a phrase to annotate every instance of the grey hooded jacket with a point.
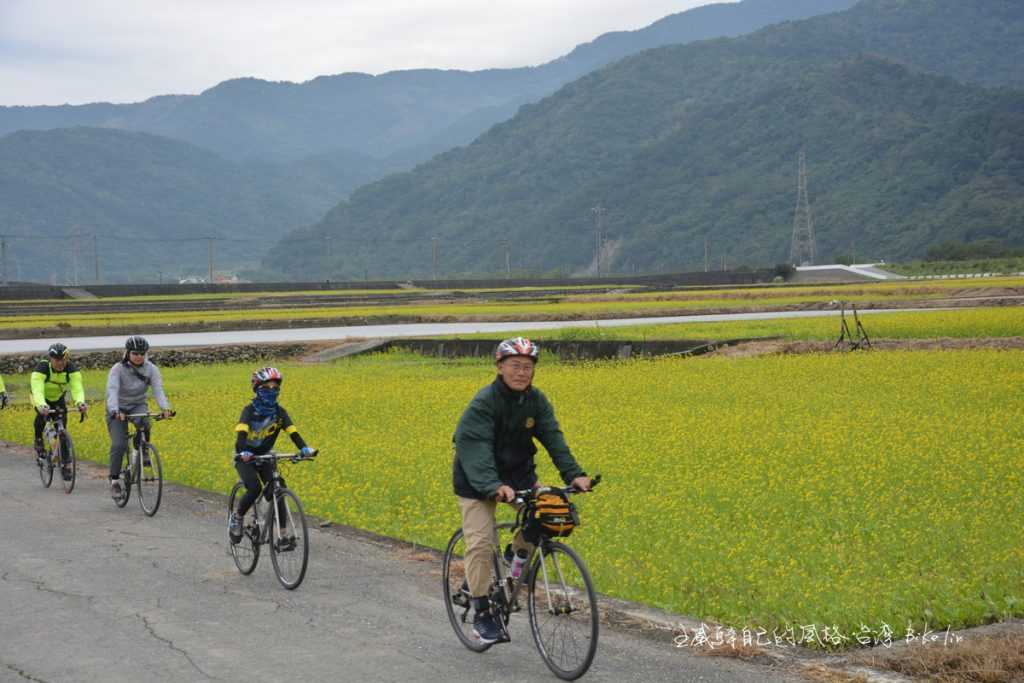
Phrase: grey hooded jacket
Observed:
(127, 385)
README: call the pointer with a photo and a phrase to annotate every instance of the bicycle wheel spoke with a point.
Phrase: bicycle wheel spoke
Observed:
(289, 539)
(46, 467)
(563, 611)
(149, 478)
(246, 553)
(68, 466)
(126, 481)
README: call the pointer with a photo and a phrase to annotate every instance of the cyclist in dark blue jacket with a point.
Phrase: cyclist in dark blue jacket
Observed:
(257, 429)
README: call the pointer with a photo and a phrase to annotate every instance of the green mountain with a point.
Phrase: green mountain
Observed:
(149, 201)
(686, 142)
(402, 117)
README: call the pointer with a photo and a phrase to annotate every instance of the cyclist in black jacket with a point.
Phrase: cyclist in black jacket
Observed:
(494, 451)
(257, 429)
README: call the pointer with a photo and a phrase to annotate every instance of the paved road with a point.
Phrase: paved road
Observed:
(89, 592)
(390, 331)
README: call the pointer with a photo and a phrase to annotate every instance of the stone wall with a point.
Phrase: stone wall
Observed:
(22, 363)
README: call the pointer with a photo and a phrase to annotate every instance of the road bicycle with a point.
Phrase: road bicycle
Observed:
(560, 597)
(141, 466)
(281, 526)
(58, 450)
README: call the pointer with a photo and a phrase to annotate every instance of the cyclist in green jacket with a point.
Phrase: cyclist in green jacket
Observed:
(51, 380)
(3, 393)
(494, 450)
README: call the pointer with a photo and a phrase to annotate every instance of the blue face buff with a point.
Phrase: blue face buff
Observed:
(265, 402)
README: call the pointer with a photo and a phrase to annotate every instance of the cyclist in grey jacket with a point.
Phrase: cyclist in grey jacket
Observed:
(127, 385)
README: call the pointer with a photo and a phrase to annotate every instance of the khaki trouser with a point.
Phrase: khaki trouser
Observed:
(479, 533)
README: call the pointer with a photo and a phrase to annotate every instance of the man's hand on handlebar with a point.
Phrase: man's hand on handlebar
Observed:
(582, 483)
(505, 494)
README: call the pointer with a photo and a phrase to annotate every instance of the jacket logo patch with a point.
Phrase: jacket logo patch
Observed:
(530, 422)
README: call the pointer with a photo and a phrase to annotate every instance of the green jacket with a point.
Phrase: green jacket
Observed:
(48, 384)
(494, 441)
(2, 387)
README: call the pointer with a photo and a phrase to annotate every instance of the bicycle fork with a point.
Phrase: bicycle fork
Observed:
(559, 600)
(272, 533)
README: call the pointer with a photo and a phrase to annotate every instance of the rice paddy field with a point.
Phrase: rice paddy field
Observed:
(486, 304)
(998, 322)
(854, 491)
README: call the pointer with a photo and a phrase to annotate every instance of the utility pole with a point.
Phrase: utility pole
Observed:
(96, 260)
(802, 250)
(599, 213)
(706, 253)
(433, 249)
(76, 248)
(508, 260)
(209, 247)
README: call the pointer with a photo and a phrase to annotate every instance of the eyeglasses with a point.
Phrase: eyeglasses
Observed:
(525, 368)
(270, 385)
(136, 353)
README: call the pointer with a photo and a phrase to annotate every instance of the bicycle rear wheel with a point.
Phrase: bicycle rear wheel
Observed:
(149, 477)
(68, 464)
(246, 553)
(126, 480)
(563, 611)
(46, 466)
(289, 539)
(457, 601)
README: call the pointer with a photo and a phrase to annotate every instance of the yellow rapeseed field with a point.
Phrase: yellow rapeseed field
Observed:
(845, 490)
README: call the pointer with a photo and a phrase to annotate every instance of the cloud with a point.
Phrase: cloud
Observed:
(57, 51)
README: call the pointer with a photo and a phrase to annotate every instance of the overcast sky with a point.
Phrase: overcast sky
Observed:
(77, 51)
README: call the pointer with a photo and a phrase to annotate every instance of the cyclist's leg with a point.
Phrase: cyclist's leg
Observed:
(118, 431)
(479, 535)
(37, 427)
(248, 474)
(62, 407)
(282, 510)
(142, 429)
(478, 530)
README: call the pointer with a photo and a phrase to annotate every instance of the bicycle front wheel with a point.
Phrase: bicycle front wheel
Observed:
(457, 600)
(46, 467)
(68, 464)
(246, 553)
(149, 477)
(126, 480)
(563, 611)
(289, 539)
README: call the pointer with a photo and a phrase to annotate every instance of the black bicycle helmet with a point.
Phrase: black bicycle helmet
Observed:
(136, 343)
(58, 350)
